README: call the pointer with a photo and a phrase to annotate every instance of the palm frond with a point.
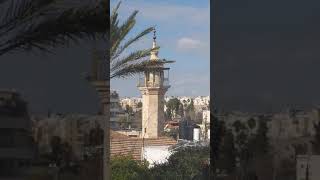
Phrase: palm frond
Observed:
(71, 24)
(135, 62)
(137, 68)
(131, 41)
(121, 32)
(134, 56)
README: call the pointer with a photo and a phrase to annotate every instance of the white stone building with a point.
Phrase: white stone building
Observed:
(116, 111)
(132, 102)
(70, 128)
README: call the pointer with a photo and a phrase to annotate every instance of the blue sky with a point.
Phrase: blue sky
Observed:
(183, 34)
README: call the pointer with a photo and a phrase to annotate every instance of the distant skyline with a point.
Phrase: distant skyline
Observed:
(183, 34)
(139, 96)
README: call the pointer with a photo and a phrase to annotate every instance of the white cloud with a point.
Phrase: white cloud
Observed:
(186, 43)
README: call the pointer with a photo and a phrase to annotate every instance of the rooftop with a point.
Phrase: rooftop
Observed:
(124, 145)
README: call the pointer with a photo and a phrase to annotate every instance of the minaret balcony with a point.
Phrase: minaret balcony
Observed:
(164, 84)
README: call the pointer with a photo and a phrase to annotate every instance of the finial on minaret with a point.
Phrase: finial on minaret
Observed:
(154, 34)
(154, 44)
(154, 53)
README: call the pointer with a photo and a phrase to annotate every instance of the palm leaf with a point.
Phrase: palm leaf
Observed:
(43, 25)
(137, 68)
(135, 62)
(131, 41)
(134, 56)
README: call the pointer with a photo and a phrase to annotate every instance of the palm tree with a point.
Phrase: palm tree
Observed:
(44, 24)
(135, 62)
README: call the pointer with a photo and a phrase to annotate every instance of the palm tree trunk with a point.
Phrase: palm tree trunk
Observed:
(103, 89)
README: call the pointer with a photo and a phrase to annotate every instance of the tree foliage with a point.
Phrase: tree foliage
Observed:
(126, 168)
(252, 147)
(218, 131)
(227, 158)
(96, 136)
(173, 108)
(185, 164)
(61, 152)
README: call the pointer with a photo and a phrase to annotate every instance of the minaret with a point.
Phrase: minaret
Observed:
(153, 87)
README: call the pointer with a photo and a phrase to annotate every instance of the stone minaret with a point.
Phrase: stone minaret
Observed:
(153, 87)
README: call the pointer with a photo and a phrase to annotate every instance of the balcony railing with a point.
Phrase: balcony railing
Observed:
(165, 83)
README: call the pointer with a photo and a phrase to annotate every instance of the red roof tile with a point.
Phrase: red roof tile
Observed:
(125, 145)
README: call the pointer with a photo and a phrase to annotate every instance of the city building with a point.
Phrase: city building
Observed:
(71, 128)
(16, 142)
(307, 167)
(205, 125)
(132, 102)
(117, 114)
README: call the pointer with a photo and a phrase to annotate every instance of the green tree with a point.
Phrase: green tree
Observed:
(61, 152)
(190, 110)
(185, 164)
(173, 107)
(181, 110)
(260, 148)
(261, 140)
(251, 123)
(218, 131)
(227, 159)
(96, 136)
(239, 126)
(139, 105)
(129, 109)
(56, 150)
(126, 168)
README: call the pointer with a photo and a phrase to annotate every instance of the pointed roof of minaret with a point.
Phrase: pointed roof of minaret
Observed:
(154, 53)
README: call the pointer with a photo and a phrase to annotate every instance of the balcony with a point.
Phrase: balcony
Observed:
(166, 82)
(142, 83)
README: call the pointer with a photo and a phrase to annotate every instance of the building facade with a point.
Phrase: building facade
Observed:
(16, 142)
(307, 167)
(117, 114)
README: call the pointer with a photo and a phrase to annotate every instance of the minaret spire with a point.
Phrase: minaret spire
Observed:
(154, 38)
(154, 53)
